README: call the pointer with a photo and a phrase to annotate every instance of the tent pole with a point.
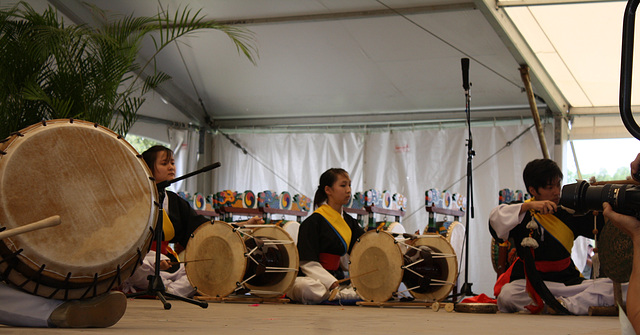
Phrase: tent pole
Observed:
(524, 73)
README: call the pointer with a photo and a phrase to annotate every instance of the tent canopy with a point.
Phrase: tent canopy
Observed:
(384, 62)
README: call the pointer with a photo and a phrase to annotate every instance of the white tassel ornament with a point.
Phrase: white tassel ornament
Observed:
(529, 242)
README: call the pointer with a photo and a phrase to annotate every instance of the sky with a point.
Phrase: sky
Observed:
(609, 154)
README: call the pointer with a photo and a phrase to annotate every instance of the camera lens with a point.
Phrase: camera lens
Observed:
(582, 197)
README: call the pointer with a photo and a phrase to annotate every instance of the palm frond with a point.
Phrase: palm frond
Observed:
(154, 81)
(53, 70)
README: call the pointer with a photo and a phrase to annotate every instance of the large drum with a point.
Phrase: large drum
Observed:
(378, 266)
(222, 259)
(291, 227)
(102, 191)
(395, 228)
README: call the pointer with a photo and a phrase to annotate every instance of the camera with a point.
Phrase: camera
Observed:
(583, 197)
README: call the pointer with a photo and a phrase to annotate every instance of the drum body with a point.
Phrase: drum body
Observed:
(395, 227)
(102, 191)
(441, 270)
(455, 236)
(379, 264)
(222, 259)
(500, 255)
(292, 228)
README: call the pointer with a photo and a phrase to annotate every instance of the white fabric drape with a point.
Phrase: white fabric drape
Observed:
(285, 162)
(184, 143)
(406, 162)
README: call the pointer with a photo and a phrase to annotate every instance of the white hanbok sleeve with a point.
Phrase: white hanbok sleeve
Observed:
(315, 270)
(504, 218)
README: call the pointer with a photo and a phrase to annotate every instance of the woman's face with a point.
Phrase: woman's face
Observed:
(340, 192)
(164, 168)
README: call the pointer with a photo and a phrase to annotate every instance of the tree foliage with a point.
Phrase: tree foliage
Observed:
(50, 70)
(141, 144)
(602, 175)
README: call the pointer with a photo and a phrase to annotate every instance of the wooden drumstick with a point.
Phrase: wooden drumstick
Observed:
(193, 260)
(356, 276)
(48, 222)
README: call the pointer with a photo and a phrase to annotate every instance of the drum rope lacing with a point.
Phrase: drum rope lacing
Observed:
(270, 269)
(436, 255)
(36, 277)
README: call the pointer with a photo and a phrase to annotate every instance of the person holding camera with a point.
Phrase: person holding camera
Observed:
(544, 232)
(631, 226)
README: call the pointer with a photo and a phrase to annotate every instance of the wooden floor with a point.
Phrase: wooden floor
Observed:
(145, 316)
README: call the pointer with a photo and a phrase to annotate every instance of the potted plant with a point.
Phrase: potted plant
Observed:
(51, 70)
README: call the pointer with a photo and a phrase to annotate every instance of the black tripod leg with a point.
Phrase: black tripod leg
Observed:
(160, 296)
(156, 288)
(202, 304)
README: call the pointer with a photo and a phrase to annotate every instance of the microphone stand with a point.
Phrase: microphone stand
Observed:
(156, 286)
(465, 290)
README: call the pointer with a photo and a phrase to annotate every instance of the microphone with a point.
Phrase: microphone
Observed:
(166, 183)
(465, 73)
(208, 167)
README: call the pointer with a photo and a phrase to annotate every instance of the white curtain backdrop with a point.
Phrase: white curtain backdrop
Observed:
(285, 162)
(406, 162)
(184, 143)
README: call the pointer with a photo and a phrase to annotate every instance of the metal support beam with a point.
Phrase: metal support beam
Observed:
(381, 119)
(348, 15)
(520, 3)
(524, 72)
(601, 110)
(522, 53)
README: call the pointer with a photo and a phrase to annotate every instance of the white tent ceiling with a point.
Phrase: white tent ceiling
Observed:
(383, 62)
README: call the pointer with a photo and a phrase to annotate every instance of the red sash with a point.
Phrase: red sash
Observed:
(329, 261)
(542, 266)
(553, 266)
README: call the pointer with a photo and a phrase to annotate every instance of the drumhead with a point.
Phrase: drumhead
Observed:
(438, 244)
(102, 191)
(290, 260)
(215, 260)
(376, 266)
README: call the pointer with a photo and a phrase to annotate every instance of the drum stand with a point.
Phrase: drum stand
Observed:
(156, 286)
(465, 290)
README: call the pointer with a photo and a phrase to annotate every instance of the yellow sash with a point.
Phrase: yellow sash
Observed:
(337, 222)
(555, 227)
(167, 226)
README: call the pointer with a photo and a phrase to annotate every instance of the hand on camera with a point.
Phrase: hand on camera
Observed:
(635, 168)
(543, 206)
(626, 223)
